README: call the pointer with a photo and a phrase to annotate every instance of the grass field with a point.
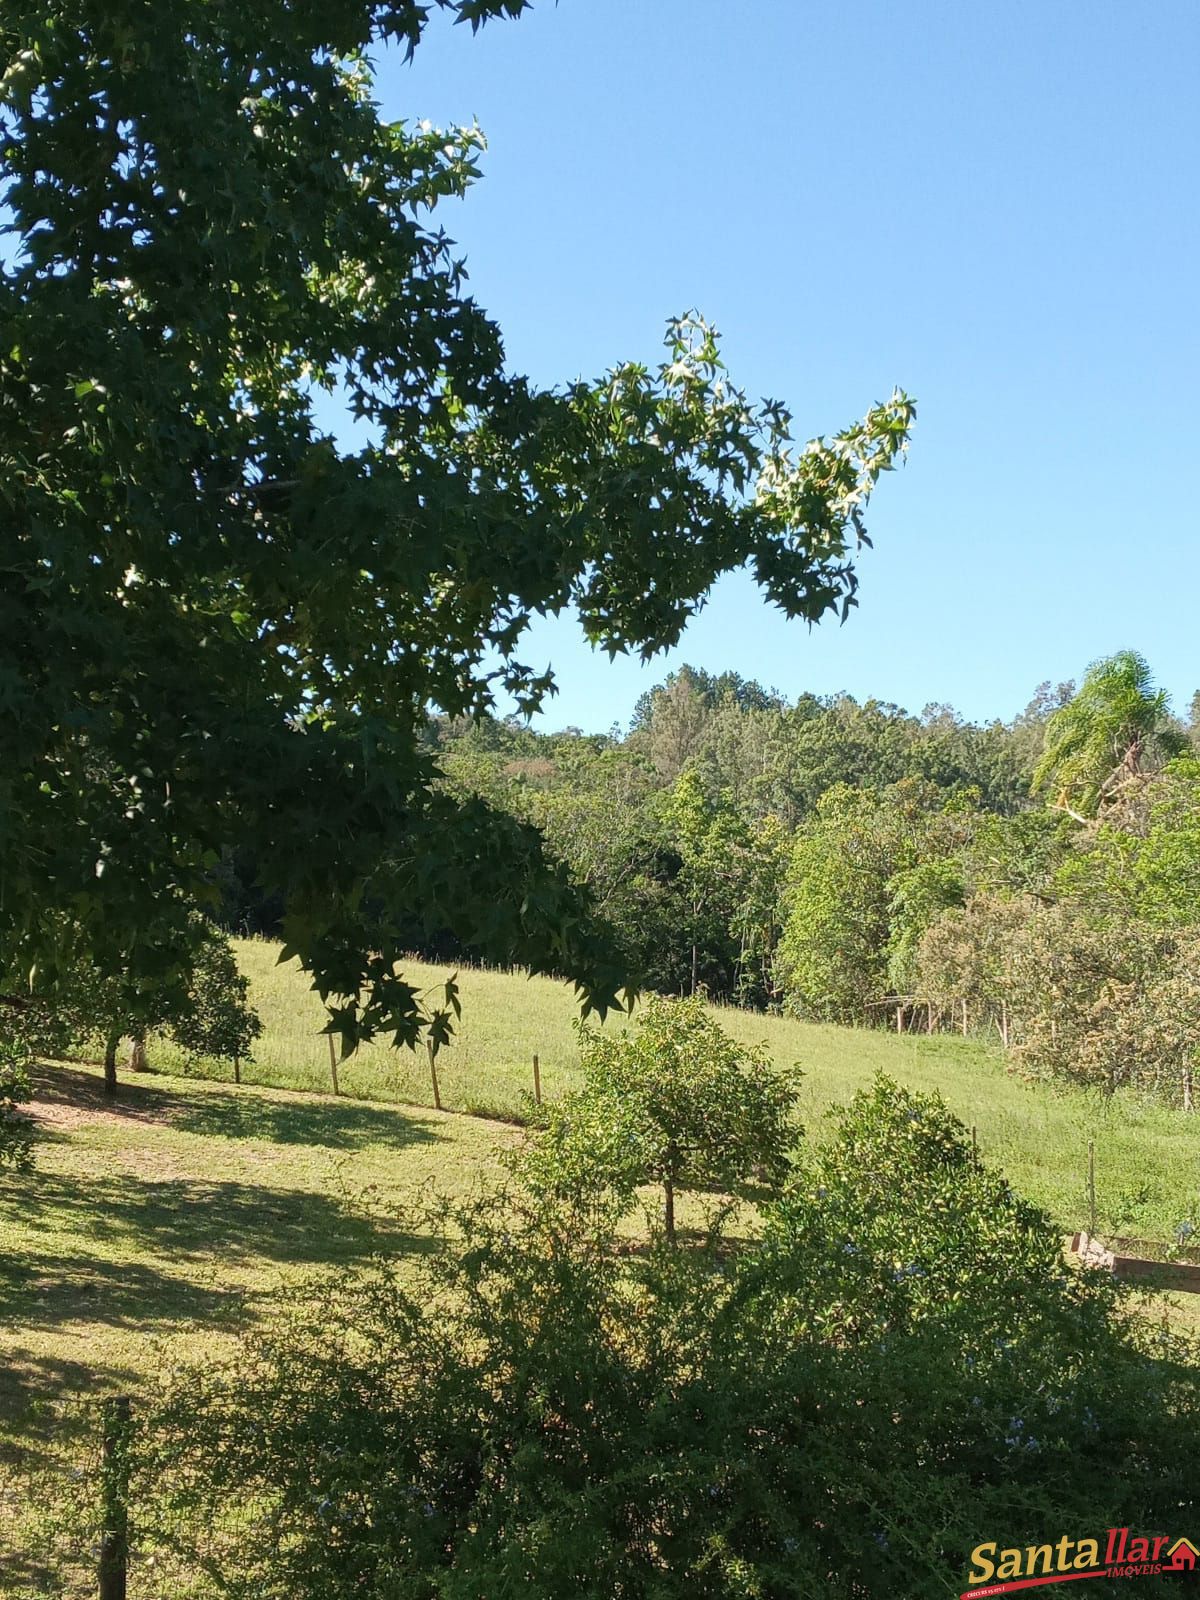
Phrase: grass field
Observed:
(1147, 1159)
(160, 1227)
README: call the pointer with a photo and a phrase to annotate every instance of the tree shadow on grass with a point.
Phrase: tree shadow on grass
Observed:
(191, 1222)
(28, 1378)
(238, 1113)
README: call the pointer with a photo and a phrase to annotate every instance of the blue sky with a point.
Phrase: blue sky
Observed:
(994, 207)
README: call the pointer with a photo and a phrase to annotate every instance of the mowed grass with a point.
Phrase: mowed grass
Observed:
(186, 1205)
(159, 1229)
(1147, 1159)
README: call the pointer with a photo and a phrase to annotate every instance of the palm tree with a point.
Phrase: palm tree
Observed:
(1116, 728)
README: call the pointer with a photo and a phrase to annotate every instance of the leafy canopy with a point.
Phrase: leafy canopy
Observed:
(223, 624)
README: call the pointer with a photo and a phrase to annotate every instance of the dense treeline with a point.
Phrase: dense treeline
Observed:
(682, 829)
(853, 863)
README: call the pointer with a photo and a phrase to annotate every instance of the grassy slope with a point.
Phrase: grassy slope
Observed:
(1146, 1158)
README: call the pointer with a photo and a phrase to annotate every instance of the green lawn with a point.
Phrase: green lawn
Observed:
(158, 1228)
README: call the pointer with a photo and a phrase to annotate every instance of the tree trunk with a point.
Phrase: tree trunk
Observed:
(137, 1054)
(110, 1066)
(1187, 1087)
(669, 1208)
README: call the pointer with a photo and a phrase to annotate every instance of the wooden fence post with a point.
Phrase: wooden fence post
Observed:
(114, 1490)
(537, 1080)
(333, 1063)
(1092, 1187)
(437, 1097)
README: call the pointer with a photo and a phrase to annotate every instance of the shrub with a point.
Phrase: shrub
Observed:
(217, 1019)
(902, 1368)
(27, 1030)
(16, 1133)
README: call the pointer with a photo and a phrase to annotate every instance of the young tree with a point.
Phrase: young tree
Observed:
(218, 1020)
(219, 625)
(195, 993)
(1117, 727)
(675, 1102)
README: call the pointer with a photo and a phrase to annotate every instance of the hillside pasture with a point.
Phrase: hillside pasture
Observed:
(1147, 1157)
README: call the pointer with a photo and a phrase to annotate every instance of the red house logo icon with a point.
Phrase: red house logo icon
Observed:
(1184, 1557)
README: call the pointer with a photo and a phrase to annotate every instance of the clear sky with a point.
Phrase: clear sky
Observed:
(993, 206)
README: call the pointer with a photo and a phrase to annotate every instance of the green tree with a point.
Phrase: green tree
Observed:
(1143, 858)
(28, 1029)
(1116, 728)
(980, 955)
(193, 991)
(1028, 730)
(218, 1020)
(833, 955)
(714, 848)
(758, 919)
(1111, 1004)
(219, 626)
(669, 723)
(674, 1101)
(919, 894)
